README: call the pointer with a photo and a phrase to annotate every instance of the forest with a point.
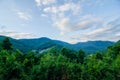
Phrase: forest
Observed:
(59, 64)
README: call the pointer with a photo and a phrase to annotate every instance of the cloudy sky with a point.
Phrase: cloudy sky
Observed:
(67, 20)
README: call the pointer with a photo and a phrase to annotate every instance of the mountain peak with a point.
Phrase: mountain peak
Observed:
(44, 38)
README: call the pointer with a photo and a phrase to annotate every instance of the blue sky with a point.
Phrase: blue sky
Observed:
(67, 20)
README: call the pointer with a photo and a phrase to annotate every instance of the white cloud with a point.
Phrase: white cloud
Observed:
(38, 2)
(65, 7)
(97, 31)
(16, 35)
(75, 8)
(109, 31)
(43, 15)
(117, 34)
(67, 25)
(44, 2)
(60, 15)
(23, 15)
(64, 25)
(47, 2)
(69, 17)
(52, 9)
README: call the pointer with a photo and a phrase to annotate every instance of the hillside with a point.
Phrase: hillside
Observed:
(44, 43)
(17, 44)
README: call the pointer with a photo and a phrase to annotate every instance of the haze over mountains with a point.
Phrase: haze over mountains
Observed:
(43, 43)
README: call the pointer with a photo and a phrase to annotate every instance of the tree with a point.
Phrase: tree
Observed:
(6, 44)
(68, 53)
(0, 46)
(99, 55)
(114, 50)
(81, 56)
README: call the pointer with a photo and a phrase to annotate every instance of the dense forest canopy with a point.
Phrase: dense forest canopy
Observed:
(59, 64)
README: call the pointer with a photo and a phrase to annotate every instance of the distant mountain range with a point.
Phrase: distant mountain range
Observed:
(43, 43)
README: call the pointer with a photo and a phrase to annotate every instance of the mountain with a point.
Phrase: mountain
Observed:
(43, 43)
(39, 43)
(17, 44)
(93, 46)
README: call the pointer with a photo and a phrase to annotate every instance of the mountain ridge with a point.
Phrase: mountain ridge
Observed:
(44, 43)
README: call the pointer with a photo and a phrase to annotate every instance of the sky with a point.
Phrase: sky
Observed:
(67, 20)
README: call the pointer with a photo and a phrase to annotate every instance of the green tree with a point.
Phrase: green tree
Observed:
(69, 53)
(0, 46)
(114, 50)
(99, 56)
(81, 55)
(116, 67)
(97, 69)
(6, 44)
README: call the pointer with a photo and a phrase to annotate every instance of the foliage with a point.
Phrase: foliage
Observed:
(63, 64)
(81, 55)
(7, 45)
